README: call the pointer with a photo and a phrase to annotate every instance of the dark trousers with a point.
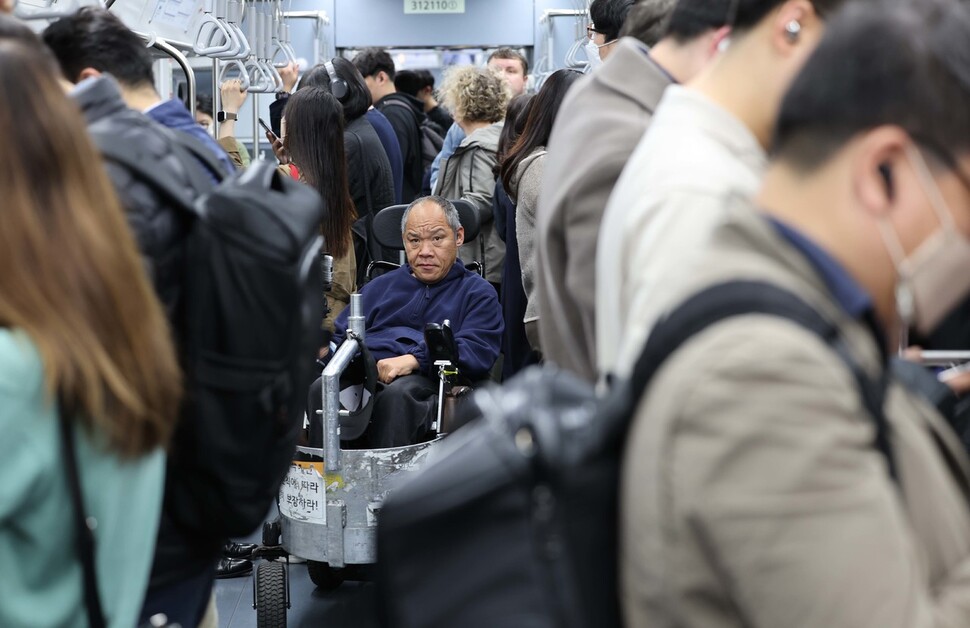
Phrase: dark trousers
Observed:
(403, 413)
(183, 602)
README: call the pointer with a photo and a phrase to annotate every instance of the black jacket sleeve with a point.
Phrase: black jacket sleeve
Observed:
(442, 118)
(409, 136)
(276, 114)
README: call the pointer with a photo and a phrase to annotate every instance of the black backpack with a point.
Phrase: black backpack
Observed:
(432, 136)
(514, 519)
(249, 330)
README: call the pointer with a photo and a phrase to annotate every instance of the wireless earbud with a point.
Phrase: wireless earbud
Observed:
(792, 30)
(887, 176)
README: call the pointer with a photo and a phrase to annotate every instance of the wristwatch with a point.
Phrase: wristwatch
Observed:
(222, 116)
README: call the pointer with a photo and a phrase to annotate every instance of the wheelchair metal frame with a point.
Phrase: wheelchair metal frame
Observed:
(355, 481)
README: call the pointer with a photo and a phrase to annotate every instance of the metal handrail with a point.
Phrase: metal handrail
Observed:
(331, 384)
(183, 62)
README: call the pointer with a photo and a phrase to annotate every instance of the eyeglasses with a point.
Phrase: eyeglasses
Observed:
(590, 30)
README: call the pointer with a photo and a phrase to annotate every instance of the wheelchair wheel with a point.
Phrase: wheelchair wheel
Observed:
(271, 595)
(325, 578)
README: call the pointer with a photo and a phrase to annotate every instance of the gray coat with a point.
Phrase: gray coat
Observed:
(598, 127)
(752, 493)
(526, 184)
(468, 174)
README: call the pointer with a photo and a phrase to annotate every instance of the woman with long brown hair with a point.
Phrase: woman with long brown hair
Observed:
(521, 173)
(315, 143)
(369, 171)
(83, 337)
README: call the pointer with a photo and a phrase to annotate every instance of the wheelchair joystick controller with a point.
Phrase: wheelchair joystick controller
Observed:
(444, 352)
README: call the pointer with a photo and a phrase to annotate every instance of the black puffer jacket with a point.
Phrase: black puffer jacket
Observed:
(406, 113)
(371, 188)
(159, 229)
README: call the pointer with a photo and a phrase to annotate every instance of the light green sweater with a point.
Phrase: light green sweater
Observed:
(41, 581)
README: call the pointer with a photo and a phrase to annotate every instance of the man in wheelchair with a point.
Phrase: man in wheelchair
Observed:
(434, 286)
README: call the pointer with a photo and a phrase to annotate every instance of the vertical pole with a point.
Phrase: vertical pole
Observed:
(256, 130)
(216, 96)
(355, 322)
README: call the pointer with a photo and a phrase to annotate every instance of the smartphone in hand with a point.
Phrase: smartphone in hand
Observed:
(266, 127)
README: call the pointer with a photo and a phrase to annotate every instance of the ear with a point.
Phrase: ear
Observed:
(382, 77)
(878, 158)
(717, 37)
(87, 73)
(460, 236)
(789, 25)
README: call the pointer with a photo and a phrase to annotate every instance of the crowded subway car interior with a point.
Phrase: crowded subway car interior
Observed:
(468, 313)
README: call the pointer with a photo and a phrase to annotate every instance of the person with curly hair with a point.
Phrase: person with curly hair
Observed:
(477, 97)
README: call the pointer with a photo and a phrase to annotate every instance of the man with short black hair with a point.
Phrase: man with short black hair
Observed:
(420, 84)
(607, 18)
(707, 141)
(405, 113)
(598, 128)
(765, 483)
(92, 42)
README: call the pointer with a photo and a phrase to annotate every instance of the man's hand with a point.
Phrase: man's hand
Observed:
(233, 95)
(289, 73)
(427, 98)
(390, 369)
(958, 382)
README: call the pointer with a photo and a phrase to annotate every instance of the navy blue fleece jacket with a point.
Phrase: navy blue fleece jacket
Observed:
(398, 306)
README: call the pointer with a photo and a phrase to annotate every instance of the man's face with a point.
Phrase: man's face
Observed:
(512, 71)
(430, 243)
(374, 85)
(921, 217)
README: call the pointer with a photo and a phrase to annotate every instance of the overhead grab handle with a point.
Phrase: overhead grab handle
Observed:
(267, 26)
(278, 84)
(239, 47)
(233, 20)
(260, 81)
(214, 37)
(235, 64)
(281, 41)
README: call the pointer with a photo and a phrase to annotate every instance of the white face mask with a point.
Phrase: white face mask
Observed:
(593, 53)
(936, 277)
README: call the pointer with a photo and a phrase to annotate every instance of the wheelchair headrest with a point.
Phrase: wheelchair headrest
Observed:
(387, 224)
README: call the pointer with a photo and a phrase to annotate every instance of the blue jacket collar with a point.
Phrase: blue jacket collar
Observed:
(847, 292)
(457, 271)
